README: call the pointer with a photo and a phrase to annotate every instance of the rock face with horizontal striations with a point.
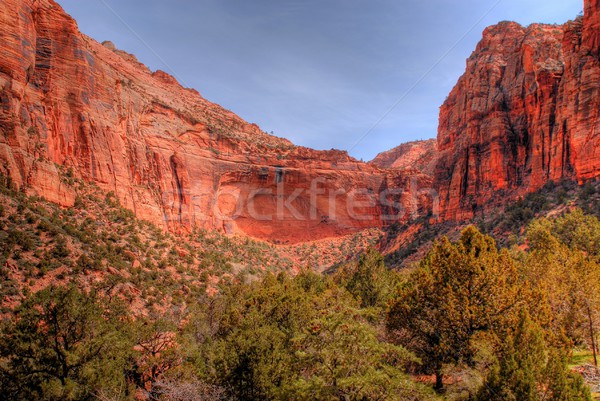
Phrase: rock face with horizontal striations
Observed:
(525, 112)
(69, 103)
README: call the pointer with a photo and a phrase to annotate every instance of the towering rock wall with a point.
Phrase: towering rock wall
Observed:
(525, 112)
(70, 103)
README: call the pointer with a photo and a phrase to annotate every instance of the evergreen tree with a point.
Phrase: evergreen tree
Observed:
(459, 290)
(369, 280)
(340, 357)
(60, 344)
(528, 371)
(564, 267)
(304, 338)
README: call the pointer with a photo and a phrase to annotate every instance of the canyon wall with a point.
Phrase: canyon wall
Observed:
(70, 105)
(525, 112)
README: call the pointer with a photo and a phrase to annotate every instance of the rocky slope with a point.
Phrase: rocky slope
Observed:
(420, 156)
(525, 112)
(69, 104)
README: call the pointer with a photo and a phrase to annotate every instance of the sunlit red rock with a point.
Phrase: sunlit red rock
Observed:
(525, 112)
(418, 155)
(69, 103)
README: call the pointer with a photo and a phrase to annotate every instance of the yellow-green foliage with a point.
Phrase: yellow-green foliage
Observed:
(129, 313)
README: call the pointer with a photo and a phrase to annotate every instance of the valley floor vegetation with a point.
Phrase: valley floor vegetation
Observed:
(470, 321)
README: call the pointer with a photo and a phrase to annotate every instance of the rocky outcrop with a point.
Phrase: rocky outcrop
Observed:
(420, 156)
(525, 112)
(70, 105)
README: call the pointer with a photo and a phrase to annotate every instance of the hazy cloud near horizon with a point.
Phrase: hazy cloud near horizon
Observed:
(320, 73)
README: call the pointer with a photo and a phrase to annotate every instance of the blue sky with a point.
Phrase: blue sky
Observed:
(322, 73)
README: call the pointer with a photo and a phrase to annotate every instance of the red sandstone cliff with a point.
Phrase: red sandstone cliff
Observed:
(420, 156)
(525, 112)
(171, 156)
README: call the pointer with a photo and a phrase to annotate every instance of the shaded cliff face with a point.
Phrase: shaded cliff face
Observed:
(70, 103)
(525, 112)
